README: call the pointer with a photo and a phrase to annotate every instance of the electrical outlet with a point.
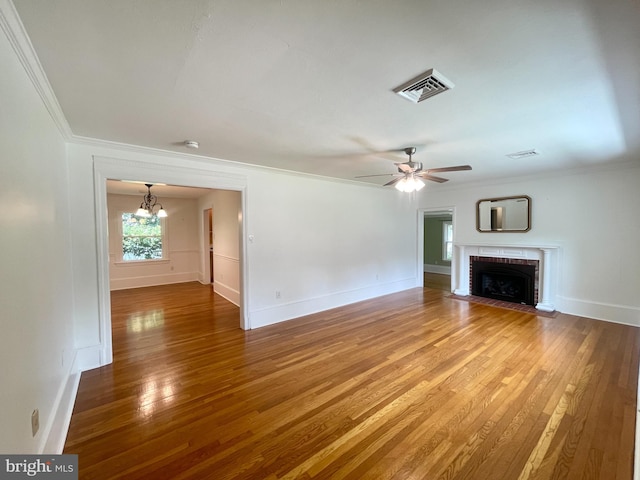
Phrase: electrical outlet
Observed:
(35, 422)
(277, 293)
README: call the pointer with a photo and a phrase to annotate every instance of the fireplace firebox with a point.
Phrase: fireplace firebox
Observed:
(505, 280)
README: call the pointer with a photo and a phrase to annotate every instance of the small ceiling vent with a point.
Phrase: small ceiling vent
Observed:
(524, 154)
(424, 86)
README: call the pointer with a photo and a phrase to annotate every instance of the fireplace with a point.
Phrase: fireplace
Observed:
(544, 259)
(505, 279)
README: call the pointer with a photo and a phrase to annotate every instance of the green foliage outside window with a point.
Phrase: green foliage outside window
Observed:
(141, 237)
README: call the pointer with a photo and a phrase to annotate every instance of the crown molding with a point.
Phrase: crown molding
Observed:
(111, 146)
(17, 35)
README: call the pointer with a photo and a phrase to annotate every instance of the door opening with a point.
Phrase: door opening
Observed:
(207, 228)
(436, 229)
(108, 168)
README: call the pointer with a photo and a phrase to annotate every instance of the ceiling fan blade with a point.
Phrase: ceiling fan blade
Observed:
(393, 182)
(450, 169)
(379, 175)
(433, 178)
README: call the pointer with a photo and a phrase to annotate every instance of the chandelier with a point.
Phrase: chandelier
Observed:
(149, 201)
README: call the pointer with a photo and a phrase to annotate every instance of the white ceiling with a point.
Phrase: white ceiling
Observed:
(308, 85)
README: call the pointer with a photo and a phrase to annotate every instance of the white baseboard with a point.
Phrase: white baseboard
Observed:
(55, 431)
(442, 269)
(227, 292)
(609, 312)
(152, 280)
(61, 419)
(287, 311)
(88, 358)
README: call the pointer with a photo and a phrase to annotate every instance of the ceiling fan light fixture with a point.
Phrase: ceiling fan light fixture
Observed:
(410, 184)
(411, 175)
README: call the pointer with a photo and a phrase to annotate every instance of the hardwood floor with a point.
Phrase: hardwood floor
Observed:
(438, 281)
(413, 385)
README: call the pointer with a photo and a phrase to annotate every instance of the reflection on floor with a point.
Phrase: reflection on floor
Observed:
(437, 281)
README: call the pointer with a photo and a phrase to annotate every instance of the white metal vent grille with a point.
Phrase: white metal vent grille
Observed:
(424, 86)
(524, 154)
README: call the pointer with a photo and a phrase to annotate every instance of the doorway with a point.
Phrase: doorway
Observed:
(207, 228)
(436, 228)
(110, 168)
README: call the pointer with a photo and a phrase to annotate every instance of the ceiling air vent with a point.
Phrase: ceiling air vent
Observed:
(524, 154)
(426, 85)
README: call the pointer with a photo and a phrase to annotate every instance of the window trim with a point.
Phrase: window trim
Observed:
(445, 239)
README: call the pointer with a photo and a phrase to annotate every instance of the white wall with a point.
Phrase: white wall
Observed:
(592, 215)
(321, 244)
(181, 243)
(227, 211)
(36, 302)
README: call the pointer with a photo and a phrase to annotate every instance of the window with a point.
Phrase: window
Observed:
(141, 238)
(447, 241)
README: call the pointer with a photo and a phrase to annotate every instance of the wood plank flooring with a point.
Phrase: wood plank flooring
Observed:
(413, 385)
(438, 281)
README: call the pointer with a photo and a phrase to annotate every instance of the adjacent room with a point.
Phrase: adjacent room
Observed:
(300, 239)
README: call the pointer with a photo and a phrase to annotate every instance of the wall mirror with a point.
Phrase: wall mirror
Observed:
(504, 214)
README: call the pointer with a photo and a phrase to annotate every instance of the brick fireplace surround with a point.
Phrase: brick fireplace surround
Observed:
(545, 257)
(507, 261)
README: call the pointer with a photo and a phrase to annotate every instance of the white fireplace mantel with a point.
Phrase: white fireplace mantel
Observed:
(546, 255)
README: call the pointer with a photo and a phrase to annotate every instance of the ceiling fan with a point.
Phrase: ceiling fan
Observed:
(410, 174)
